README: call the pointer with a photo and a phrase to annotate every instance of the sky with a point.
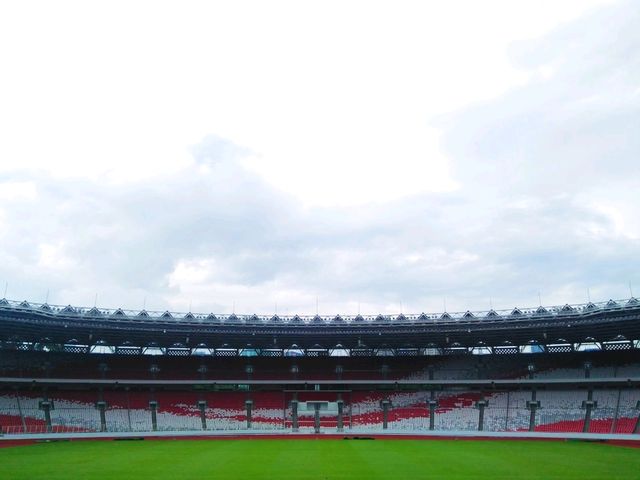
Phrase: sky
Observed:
(344, 157)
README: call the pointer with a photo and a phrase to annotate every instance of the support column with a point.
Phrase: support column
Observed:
(101, 406)
(385, 412)
(153, 406)
(533, 405)
(126, 390)
(432, 403)
(616, 415)
(46, 406)
(22, 420)
(637, 427)
(249, 406)
(340, 413)
(481, 405)
(294, 413)
(316, 417)
(202, 406)
(589, 404)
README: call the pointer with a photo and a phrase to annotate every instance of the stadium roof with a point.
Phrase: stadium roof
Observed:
(35, 323)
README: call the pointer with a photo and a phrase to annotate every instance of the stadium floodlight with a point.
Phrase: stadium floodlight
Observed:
(154, 370)
(532, 370)
(103, 369)
(47, 368)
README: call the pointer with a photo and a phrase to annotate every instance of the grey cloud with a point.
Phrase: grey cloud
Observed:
(577, 127)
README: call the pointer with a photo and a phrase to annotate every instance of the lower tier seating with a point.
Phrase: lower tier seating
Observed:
(22, 411)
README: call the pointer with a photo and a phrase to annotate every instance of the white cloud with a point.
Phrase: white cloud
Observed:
(18, 191)
(334, 99)
(54, 257)
(374, 157)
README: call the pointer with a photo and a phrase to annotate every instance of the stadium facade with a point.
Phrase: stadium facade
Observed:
(563, 370)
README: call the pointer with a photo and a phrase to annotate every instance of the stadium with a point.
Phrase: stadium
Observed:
(320, 240)
(569, 372)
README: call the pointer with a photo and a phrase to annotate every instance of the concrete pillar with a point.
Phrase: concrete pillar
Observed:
(385, 412)
(481, 405)
(340, 413)
(316, 417)
(533, 405)
(22, 420)
(636, 429)
(153, 406)
(101, 405)
(202, 406)
(294, 413)
(432, 404)
(46, 406)
(126, 389)
(249, 406)
(589, 404)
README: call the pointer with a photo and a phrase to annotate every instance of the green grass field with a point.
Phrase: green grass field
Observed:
(319, 459)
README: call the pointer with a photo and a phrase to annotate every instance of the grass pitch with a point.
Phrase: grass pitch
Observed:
(319, 459)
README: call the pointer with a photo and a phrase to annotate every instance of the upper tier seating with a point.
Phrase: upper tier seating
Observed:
(623, 364)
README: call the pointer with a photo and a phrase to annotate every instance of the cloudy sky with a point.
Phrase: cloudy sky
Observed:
(372, 156)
